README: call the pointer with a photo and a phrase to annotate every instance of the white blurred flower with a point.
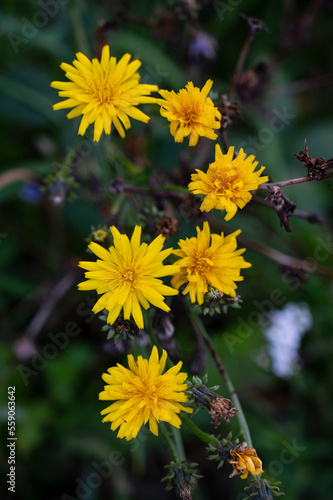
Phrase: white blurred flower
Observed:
(287, 327)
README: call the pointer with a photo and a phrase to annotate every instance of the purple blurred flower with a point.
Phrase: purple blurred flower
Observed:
(202, 45)
(31, 192)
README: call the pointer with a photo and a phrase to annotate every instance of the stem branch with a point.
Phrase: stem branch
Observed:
(169, 442)
(197, 324)
(208, 438)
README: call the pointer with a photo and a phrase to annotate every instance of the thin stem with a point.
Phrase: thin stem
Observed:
(289, 182)
(301, 214)
(166, 192)
(240, 64)
(275, 255)
(169, 442)
(240, 414)
(179, 443)
(197, 323)
(284, 259)
(207, 438)
(224, 140)
(81, 38)
(54, 295)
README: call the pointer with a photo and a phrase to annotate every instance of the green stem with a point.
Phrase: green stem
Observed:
(163, 192)
(179, 443)
(169, 442)
(208, 438)
(198, 325)
(75, 11)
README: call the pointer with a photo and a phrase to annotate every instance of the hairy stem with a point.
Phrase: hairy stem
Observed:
(165, 192)
(301, 214)
(289, 182)
(197, 324)
(179, 443)
(171, 445)
(207, 438)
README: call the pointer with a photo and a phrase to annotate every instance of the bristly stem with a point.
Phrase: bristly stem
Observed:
(172, 447)
(289, 182)
(165, 192)
(75, 13)
(179, 443)
(240, 64)
(207, 438)
(197, 324)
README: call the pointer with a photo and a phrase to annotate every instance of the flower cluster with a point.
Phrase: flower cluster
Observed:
(107, 92)
(127, 274)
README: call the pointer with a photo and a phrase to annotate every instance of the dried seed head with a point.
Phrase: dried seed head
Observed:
(221, 408)
(117, 186)
(218, 407)
(282, 205)
(167, 226)
(251, 83)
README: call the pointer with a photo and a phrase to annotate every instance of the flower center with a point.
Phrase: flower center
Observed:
(104, 92)
(190, 114)
(202, 264)
(128, 275)
(227, 181)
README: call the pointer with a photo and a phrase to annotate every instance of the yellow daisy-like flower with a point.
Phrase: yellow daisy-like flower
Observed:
(141, 393)
(104, 92)
(209, 259)
(228, 182)
(190, 112)
(126, 275)
(245, 461)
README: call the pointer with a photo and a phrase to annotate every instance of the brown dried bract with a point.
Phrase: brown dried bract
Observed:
(252, 82)
(167, 226)
(221, 408)
(318, 168)
(230, 112)
(254, 24)
(282, 205)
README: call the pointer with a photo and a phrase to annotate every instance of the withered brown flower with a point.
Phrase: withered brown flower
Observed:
(245, 461)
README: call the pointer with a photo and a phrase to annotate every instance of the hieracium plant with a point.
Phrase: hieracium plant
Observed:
(136, 275)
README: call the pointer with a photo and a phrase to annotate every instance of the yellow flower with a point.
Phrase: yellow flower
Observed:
(190, 112)
(228, 182)
(126, 276)
(202, 263)
(104, 92)
(245, 461)
(142, 393)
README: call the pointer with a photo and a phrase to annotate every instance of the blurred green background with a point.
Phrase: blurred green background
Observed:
(61, 441)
